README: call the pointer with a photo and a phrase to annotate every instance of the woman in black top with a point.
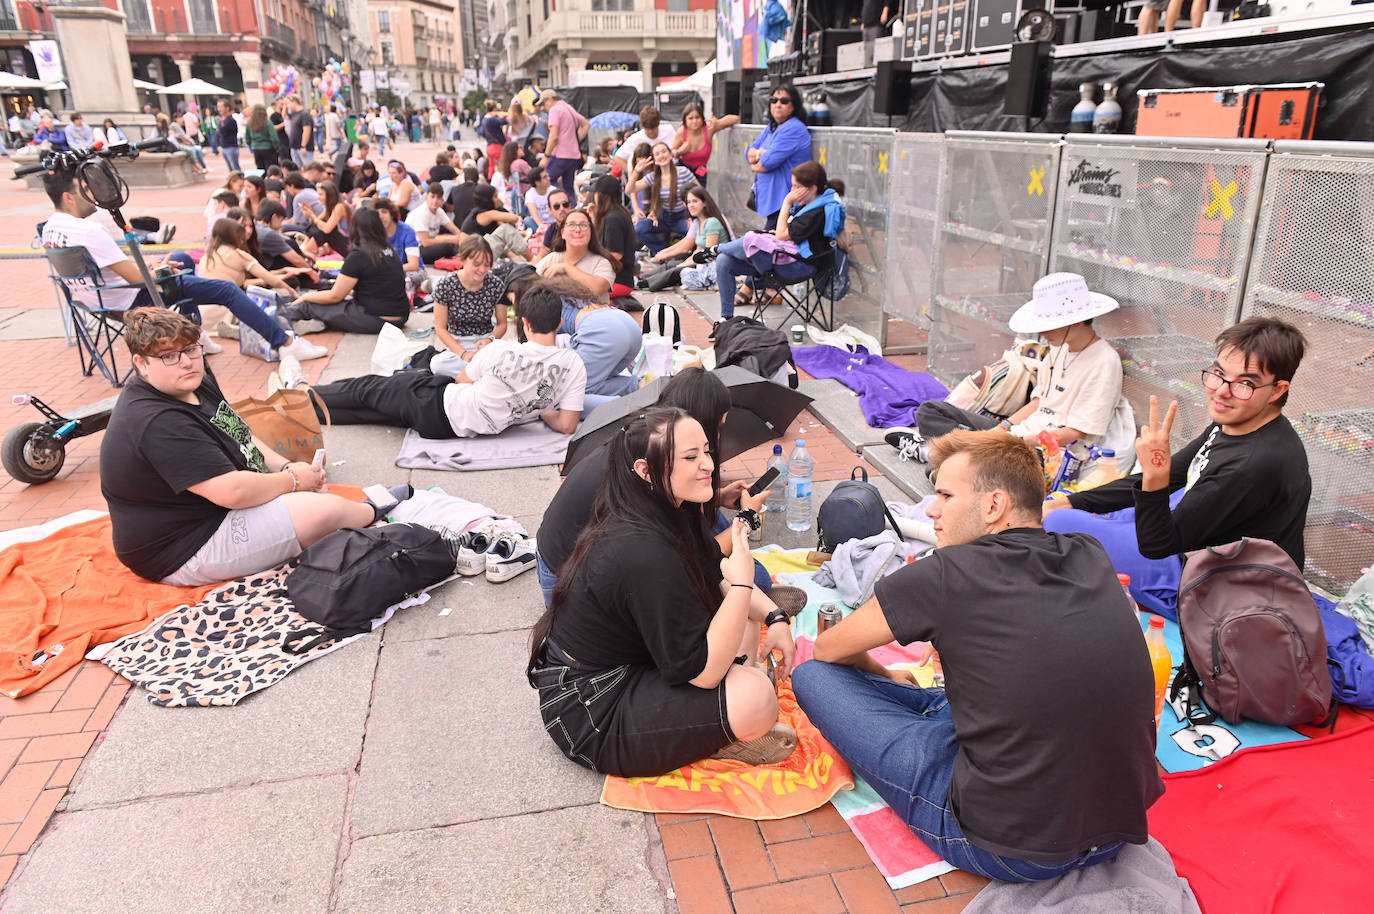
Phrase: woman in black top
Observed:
(372, 273)
(194, 497)
(635, 660)
(487, 217)
(617, 230)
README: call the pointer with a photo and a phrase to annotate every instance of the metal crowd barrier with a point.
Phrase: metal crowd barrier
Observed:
(1164, 226)
(1313, 266)
(730, 179)
(862, 158)
(916, 164)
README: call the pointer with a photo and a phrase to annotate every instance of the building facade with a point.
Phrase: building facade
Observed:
(546, 41)
(415, 50)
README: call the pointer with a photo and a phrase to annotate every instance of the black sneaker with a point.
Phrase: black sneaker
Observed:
(705, 255)
(909, 444)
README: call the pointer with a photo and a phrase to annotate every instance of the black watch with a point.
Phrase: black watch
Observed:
(750, 517)
(776, 616)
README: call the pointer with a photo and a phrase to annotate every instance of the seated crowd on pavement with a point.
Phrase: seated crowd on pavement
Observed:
(655, 608)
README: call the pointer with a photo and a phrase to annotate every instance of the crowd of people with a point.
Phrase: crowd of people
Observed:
(646, 657)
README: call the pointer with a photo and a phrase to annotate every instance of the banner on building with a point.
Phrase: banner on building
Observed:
(48, 60)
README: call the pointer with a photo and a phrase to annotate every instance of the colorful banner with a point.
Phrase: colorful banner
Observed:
(47, 59)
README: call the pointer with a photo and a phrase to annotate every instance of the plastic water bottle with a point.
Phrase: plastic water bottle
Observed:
(799, 467)
(777, 490)
(1125, 580)
(1160, 662)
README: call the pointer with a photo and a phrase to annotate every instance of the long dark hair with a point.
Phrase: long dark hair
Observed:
(369, 235)
(250, 231)
(703, 396)
(798, 108)
(709, 210)
(594, 244)
(656, 186)
(627, 502)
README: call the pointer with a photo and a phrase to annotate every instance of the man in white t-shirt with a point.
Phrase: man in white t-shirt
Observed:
(1078, 387)
(504, 384)
(378, 128)
(537, 199)
(651, 130)
(333, 130)
(437, 234)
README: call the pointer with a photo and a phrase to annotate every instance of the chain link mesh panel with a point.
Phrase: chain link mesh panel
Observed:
(996, 214)
(1165, 230)
(863, 160)
(916, 165)
(1313, 267)
(730, 179)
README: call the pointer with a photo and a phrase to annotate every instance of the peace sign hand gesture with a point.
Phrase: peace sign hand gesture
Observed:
(1152, 447)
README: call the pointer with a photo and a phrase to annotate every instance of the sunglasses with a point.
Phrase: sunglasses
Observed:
(779, 100)
(560, 206)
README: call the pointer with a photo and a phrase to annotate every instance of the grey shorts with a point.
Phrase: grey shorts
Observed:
(1158, 6)
(248, 540)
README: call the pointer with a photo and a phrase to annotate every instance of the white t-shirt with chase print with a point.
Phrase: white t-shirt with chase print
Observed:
(64, 230)
(512, 383)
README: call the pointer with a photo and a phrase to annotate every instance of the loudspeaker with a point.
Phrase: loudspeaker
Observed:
(725, 93)
(821, 47)
(892, 88)
(1028, 80)
(748, 79)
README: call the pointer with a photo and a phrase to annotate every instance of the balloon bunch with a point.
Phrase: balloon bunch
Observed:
(281, 81)
(331, 82)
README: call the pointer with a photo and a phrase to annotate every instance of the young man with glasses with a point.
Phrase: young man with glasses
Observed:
(1246, 474)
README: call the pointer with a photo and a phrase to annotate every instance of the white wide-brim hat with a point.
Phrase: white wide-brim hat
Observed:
(1060, 299)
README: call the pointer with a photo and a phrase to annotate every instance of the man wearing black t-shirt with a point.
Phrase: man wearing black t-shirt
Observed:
(1037, 758)
(459, 202)
(1245, 475)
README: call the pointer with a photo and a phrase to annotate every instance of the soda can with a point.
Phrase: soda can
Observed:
(827, 616)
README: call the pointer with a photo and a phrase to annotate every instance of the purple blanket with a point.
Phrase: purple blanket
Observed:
(888, 394)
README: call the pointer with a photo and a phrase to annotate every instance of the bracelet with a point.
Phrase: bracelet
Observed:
(750, 586)
(750, 517)
(295, 483)
(776, 616)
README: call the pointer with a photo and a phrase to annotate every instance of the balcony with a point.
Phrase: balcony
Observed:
(418, 21)
(630, 27)
(421, 51)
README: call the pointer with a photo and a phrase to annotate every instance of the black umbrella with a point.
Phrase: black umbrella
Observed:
(760, 411)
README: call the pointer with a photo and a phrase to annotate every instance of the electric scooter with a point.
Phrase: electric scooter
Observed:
(34, 452)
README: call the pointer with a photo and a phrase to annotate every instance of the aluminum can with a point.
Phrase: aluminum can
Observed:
(826, 616)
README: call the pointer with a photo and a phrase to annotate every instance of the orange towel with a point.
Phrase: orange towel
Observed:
(64, 594)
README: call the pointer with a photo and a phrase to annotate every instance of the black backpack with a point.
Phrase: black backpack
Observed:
(351, 576)
(855, 510)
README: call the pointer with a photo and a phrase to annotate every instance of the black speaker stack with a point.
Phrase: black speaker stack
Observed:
(822, 45)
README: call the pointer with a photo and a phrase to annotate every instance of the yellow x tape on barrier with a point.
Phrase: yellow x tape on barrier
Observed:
(882, 163)
(1221, 200)
(821, 158)
(1036, 185)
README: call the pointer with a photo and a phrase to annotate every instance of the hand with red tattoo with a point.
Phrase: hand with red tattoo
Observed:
(1152, 447)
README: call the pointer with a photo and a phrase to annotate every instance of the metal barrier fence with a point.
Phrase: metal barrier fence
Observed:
(730, 179)
(917, 162)
(1164, 226)
(1313, 266)
(862, 157)
(996, 213)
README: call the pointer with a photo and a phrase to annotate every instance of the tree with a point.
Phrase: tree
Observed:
(475, 99)
(390, 99)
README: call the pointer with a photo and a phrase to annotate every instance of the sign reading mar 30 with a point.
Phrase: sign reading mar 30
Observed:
(1108, 181)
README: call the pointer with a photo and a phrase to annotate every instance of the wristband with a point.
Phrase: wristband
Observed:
(750, 586)
(750, 517)
(295, 483)
(776, 616)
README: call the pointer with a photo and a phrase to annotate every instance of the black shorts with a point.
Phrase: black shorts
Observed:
(627, 720)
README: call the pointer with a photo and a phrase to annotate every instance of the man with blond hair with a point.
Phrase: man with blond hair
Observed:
(1037, 756)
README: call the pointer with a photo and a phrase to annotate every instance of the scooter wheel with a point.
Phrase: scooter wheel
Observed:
(30, 455)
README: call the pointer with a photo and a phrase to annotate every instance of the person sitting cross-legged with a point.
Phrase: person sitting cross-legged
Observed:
(1245, 474)
(371, 289)
(1038, 756)
(503, 384)
(194, 497)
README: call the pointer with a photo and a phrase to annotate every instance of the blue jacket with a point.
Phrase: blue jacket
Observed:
(835, 217)
(784, 148)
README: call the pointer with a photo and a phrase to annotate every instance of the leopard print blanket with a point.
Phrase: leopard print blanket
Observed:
(224, 648)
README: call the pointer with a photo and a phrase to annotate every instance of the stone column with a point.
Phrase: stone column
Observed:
(250, 66)
(184, 67)
(647, 56)
(575, 65)
(95, 60)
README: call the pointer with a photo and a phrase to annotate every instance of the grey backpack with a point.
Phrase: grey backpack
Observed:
(855, 510)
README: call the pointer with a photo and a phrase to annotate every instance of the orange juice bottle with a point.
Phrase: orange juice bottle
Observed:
(1160, 662)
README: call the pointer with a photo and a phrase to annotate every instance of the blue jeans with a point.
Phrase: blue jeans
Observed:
(201, 291)
(302, 156)
(231, 157)
(655, 237)
(731, 262)
(547, 580)
(901, 740)
(608, 341)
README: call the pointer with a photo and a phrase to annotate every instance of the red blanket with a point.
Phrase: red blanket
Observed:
(1282, 828)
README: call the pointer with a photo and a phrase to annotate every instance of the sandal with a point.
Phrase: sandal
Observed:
(773, 747)
(744, 298)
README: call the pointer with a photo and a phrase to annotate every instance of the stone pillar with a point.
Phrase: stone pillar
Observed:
(647, 56)
(95, 60)
(184, 67)
(575, 65)
(250, 66)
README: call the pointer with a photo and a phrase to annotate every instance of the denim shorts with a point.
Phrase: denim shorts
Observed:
(627, 720)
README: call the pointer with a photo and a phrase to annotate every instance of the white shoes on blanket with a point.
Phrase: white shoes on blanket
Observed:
(500, 554)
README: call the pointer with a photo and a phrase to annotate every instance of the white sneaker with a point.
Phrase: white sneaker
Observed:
(509, 556)
(290, 371)
(209, 345)
(302, 349)
(472, 552)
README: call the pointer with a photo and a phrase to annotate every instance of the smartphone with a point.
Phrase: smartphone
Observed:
(319, 458)
(763, 481)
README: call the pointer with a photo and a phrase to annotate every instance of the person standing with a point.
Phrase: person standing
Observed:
(493, 131)
(278, 120)
(299, 129)
(377, 126)
(262, 138)
(333, 130)
(784, 144)
(228, 135)
(566, 129)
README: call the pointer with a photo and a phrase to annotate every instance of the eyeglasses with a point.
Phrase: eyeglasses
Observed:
(169, 359)
(580, 226)
(560, 206)
(779, 100)
(1241, 390)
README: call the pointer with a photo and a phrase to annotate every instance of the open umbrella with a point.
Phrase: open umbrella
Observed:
(196, 86)
(144, 84)
(13, 81)
(615, 120)
(760, 411)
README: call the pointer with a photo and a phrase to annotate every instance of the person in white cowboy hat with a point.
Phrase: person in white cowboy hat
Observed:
(1078, 387)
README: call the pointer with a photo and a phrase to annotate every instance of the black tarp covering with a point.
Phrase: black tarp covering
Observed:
(593, 100)
(972, 98)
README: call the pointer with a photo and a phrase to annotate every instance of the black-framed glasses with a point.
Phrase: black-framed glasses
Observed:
(780, 100)
(1213, 380)
(169, 359)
